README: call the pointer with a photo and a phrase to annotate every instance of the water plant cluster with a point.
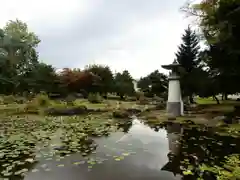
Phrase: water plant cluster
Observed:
(23, 138)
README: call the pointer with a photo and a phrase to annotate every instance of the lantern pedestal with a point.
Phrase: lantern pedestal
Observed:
(174, 103)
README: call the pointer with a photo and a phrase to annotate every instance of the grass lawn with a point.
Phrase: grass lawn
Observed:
(210, 105)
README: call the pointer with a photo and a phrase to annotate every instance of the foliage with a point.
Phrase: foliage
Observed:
(8, 99)
(94, 98)
(39, 78)
(75, 80)
(37, 104)
(229, 170)
(18, 30)
(42, 100)
(20, 45)
(187, 57)
(121, 114)
(219, 24)
(123, 84)
(142, 99)
(106, 77)
(154, 83)
(16, 152)
(23, 137)
(21, 71)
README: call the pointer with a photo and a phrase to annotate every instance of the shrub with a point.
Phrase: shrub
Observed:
(142, 99)
(66, 111)
(160, 106)
(94, 98)
(37, 104)
(131, 98)
(41, 100)
(70, 100)
(120, 114)
(31, 108)
(20, 100)
(8, 99)
(229, 169)
(164, 96)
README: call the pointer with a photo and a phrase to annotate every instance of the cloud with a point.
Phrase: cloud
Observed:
(137, 35)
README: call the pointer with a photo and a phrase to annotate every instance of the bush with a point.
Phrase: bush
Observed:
(41, 100)
(142, 99)
(36, 104)
(31, 108)
(160, 106)
(20, 100)
(8, 99)
(131, 98)
(66, 111)
(70, 100)
(164, 96)
(120, 114)
(94, 98)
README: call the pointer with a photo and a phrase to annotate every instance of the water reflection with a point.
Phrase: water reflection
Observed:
(139, 151)
(125, 125)
(174, 134)
(138, 154)
(192, 145)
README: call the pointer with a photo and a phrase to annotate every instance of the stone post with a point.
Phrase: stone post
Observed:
(174, 104)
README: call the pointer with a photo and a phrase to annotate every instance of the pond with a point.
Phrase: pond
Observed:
(142, 151)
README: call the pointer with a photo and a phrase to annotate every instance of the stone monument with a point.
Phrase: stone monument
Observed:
(175, 103)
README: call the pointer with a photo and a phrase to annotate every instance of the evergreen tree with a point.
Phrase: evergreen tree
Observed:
(187, 56)
(124, 84)
(154, 83)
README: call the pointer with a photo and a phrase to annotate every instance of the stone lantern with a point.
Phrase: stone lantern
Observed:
(174, 104)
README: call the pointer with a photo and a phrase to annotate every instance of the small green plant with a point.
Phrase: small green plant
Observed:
(31, 108)
(37, 104)
(20, 100)
(94, 98)
(8, 99)
(229, 170)
(42, 100)
(70, 100)
(142, 99)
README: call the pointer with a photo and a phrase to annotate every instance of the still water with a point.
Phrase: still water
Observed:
(142, 152)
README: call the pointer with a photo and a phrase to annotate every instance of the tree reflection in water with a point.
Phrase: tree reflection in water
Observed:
(192, 145)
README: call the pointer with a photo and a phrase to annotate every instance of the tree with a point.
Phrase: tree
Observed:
(106, 75)
(19, 31)
(220, 24)
(41, 77)
(123, 84)
(154, 83)
(18, 54)
(22, 44)
(76, 81)
(8, 72)
(223, 71)
(187, 57)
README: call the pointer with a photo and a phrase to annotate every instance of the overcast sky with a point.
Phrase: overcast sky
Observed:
(137, 35)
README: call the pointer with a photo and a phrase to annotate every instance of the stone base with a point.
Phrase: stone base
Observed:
(174, 109)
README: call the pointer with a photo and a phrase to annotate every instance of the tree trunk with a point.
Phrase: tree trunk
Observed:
(191, 99)
(216, 99)
(122, 97)
(225, 96)
(222, 96)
